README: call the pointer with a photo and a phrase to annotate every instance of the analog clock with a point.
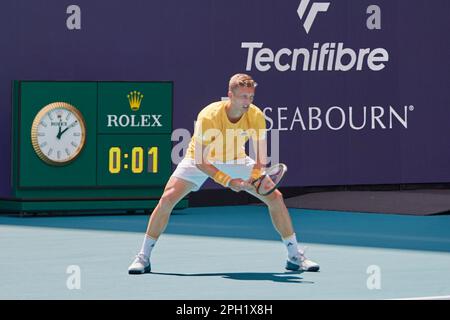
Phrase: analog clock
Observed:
(58, 133)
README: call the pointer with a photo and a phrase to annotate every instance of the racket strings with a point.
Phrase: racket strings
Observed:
(270, 179)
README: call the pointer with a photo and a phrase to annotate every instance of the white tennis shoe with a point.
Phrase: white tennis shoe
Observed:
(140, 265)
(300, 262)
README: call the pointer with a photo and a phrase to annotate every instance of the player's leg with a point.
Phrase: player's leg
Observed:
(186, 178)
(283, 224)
(278, 212)
(175, 190)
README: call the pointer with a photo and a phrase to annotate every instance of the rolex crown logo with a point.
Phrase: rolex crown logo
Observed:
(135, 98)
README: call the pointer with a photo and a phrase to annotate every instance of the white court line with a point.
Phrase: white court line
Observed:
(425, 298)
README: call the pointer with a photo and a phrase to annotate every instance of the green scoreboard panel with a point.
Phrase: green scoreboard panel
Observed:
(90, 145)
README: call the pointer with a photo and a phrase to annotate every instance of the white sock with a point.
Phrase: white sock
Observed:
(291, 245)
(147, 246)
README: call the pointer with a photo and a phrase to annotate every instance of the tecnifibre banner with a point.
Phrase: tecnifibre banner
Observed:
(357, 90)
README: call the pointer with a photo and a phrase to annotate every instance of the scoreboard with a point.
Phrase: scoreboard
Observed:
(90, 145)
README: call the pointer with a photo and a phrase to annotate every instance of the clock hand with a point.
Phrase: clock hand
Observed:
(68, 127)
(58, 136)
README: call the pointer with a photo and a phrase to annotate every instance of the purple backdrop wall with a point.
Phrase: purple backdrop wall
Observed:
(199, 44)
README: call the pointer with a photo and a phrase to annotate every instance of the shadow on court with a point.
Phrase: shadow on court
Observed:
(246, 276)
(253, 222)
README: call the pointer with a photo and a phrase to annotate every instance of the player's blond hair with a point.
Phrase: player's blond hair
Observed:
(241, 80)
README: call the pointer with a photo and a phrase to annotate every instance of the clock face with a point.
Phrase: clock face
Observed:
(58, 133)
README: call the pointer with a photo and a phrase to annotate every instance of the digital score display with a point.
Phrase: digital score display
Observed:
(134, 159)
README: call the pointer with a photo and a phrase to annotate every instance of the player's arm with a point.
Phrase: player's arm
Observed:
(259, 143)
(260, 147)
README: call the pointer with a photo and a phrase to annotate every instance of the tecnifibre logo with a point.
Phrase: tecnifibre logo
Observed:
(327, 56)
(315, 8)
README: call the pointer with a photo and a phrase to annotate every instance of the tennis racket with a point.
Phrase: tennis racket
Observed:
(270, 179)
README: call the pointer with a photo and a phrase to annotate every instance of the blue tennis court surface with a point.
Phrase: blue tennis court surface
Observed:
(226, 253)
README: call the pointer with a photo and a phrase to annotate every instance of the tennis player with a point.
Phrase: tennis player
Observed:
(217, 151)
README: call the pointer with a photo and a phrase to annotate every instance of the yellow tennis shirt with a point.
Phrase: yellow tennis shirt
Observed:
(226, 140)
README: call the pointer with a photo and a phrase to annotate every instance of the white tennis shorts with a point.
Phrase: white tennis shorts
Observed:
(187, 170)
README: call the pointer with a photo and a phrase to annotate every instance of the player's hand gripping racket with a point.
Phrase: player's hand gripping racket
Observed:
(270, 179)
